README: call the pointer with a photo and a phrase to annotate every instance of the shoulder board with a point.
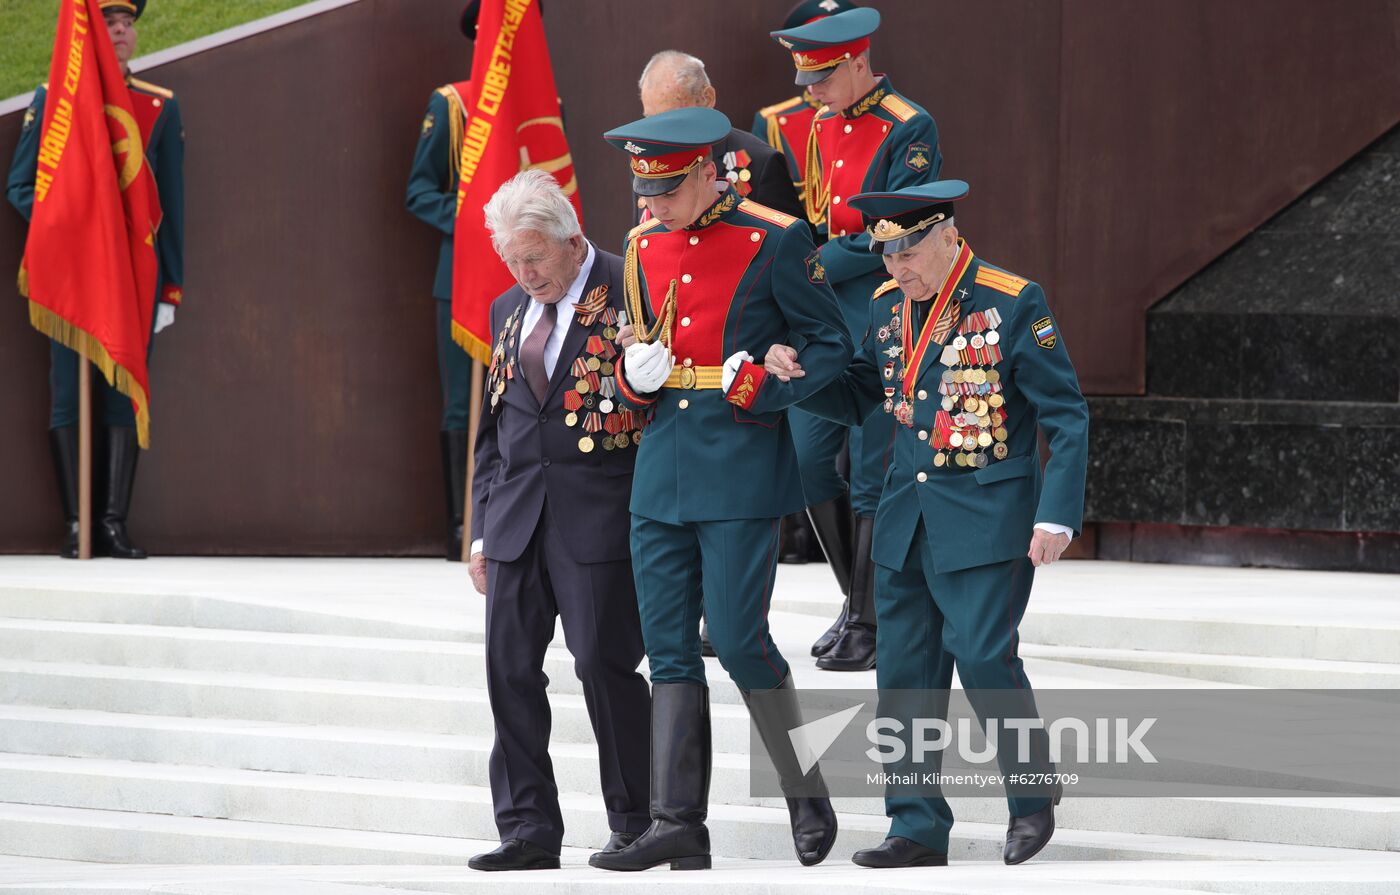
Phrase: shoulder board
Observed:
(778, 108)
(898, 107)
(152, 88)
(763, 212)
(643, 227)
(1001, 281)
(446, 91)
(887, 286)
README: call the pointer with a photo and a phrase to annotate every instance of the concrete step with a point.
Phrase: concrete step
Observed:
(1251, 671)
(1336, 822)
(276, 818)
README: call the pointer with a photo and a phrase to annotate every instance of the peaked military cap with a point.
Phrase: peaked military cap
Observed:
(666, 147)
(811, 10)
(135, 7)
(818, 47)
(898, 221)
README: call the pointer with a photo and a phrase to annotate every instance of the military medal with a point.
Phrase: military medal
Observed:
(585, 444)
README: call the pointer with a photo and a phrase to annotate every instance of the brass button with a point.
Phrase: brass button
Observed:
(923, 435)
(755, 236)
(685, 278)
(842, 233)
(685, 321)
(685, 403)
(644, 243)
(840, 162)
(923, 394)
(687, 362)
(848, 129)
(923, 476)
(782, 119)
(695, 240)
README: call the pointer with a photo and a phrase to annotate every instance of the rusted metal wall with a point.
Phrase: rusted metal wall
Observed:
(1113, 148)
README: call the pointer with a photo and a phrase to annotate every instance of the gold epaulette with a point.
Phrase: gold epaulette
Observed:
(887, 286)
(763, 212)
(643, 227)
(898, 107)
(1001, 281)
(152, 88)
(777, 108)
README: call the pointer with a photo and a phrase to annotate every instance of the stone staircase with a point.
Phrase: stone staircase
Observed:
(1273, 395)
(239, 714)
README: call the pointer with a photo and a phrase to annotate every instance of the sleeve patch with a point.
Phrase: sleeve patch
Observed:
(1044, 332)
(918, 157)
(29, 117)
(815, 271)
(428, 124)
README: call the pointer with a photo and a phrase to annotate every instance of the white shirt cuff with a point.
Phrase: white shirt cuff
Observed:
(477, 546)
(1056, 528)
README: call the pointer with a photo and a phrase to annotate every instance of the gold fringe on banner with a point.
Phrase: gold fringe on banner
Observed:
(87, 345)
(479, 350)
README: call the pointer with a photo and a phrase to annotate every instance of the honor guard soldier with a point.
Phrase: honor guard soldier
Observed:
(432, 198)
(867, 137)
(163, 135)
(785, 125)
(710, 279)
(968, 362)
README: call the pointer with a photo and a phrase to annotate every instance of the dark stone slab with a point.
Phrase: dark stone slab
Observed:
(1272, 548)
(1266, 476)
(1370, 206)
(1200, 410)
(1373, 480)
(1135, 471)
(1319, 358)
(1193, 355)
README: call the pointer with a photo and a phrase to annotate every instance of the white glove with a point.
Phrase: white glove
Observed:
(165, 315)
(647, 366)
(731, 368)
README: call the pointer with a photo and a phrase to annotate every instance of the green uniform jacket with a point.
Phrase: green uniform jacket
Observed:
(432, 180)
(159, 116)
(746, 277)
(973, 516)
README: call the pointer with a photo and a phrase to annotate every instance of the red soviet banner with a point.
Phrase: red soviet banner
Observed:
(513, 123)
(89, 267)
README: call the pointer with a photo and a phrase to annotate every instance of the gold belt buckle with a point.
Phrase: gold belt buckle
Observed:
(687, 377)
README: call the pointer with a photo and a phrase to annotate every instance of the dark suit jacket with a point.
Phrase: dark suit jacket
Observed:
(769, 182)
(528, 458)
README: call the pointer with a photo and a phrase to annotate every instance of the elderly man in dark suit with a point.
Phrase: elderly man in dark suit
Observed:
(550, 523)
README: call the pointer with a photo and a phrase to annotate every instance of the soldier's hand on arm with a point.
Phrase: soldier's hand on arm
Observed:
(627, 336)
(647, 366)
(781, 361)
(477, 568)
(165, 315)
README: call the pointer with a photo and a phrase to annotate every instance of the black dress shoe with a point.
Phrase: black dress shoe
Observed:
(897, 851)
(1026, 836)
(618, 841)
(516, 854)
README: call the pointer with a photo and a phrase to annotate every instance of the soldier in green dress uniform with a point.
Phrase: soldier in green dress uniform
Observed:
(968, 362)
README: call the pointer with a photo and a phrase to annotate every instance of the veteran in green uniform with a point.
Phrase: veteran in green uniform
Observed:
(968, 360)
(158, 117)
(710, 280)
(432, 198)
(867, 137)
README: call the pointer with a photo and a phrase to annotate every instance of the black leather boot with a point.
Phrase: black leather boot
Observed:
(832, 523)
(454, 477)
(775, 713)
(796, 544)
(110, 535)
(854, 649)
(680, 785)
(64, 445)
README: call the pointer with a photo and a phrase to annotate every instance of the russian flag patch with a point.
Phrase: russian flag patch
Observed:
(1044, 332)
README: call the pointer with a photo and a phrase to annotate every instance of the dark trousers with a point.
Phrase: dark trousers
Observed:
(726, 566)
(929, 621)
(454, 373)
(603, 633)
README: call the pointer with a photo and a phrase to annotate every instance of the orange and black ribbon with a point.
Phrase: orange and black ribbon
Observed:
(944, 305)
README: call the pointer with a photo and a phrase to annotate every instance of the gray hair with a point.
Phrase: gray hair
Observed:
(688, 72)
(941, 225)
(531, 200)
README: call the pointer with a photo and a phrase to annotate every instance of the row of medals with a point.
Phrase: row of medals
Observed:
(591, 402)
(971, 392)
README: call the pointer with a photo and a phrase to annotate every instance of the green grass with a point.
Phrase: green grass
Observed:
(28, 26)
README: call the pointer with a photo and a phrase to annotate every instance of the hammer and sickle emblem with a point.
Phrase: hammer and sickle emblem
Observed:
(126, 145)
(549, 165)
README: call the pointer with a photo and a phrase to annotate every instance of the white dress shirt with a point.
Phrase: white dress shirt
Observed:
(562, 322)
